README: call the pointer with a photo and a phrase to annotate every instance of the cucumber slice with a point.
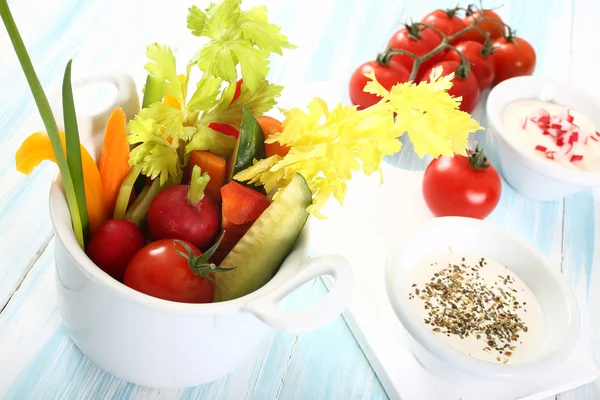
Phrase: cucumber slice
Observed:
(250, 145)
(260, 252)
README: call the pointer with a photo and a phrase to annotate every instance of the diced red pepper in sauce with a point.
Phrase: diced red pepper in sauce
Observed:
(576, 157)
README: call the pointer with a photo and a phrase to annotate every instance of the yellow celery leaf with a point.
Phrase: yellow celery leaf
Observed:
(327, 146)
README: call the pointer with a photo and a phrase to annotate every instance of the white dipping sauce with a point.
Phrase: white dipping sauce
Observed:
(511, 307)
(530, 135)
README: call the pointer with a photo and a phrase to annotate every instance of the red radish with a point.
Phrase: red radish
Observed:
(113, 245)
(541, 148)
(183, 212)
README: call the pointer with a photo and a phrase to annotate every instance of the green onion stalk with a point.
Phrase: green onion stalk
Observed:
(69, 164)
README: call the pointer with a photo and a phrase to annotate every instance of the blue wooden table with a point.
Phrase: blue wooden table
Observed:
(37, 358)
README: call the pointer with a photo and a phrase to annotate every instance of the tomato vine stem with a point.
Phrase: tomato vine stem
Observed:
(385, 57)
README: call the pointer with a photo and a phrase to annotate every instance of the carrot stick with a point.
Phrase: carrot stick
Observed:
(215, 167)
(114, 161)
(269, 126)
(37, 148)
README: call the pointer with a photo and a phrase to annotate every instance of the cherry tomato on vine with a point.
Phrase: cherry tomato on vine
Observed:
(417, 41)
(159, 270)
(464, 83)
(480, 59)
(387, 76)
(446, 21)
(512, 56)
(462, 186)
(494, 28)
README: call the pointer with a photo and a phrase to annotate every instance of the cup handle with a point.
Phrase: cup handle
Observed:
(94, 124)
(296, 271)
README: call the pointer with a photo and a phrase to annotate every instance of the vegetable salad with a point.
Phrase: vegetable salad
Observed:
(201, 196)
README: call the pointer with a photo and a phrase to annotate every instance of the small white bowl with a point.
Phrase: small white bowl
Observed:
(533, 176)
(558, 304)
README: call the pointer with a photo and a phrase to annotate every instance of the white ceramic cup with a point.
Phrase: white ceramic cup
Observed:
(163, 344)
(559, 307)
(532, 176)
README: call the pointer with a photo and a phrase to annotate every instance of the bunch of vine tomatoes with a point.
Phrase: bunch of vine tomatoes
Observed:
(479, 48)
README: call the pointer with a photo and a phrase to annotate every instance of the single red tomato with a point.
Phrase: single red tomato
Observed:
(387, 75)
(113, 245)
(493, 25)
(446, 21)
(512, 56)
(464, 83)
(480, 59)
(462, 186)
(172, 270)
(417, 41)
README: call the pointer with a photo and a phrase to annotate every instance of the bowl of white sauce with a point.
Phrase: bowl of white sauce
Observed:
(478, 300)
(545, 136)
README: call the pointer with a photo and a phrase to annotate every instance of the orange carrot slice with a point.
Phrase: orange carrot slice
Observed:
(269, 126)
(37, 148)
(215, 166)
(114, 161)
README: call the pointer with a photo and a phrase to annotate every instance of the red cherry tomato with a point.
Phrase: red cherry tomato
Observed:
(462, 186)
(493, 26)
(462, 86)
(113, 245)
(159, 270)
(387, 75)
(480, 59)
(512, 57)
(446, 21)
(418, 42)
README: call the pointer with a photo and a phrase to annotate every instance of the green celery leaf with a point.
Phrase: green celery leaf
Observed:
(154, 153)
(167, 117)
(259, 102)
(254, 62)
(223, 19)
(206, 94)
(196, 20)
(163, 66)
(216, 60)
(237, 38)
(213, 141)
(256, 28)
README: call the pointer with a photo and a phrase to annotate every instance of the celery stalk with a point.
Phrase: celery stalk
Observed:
(47, 117)
(73, 149)
(125, 192)
(153, 91)
(137, 212)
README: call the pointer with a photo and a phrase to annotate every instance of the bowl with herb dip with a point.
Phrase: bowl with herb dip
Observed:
(545, 136)
(478, 299)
